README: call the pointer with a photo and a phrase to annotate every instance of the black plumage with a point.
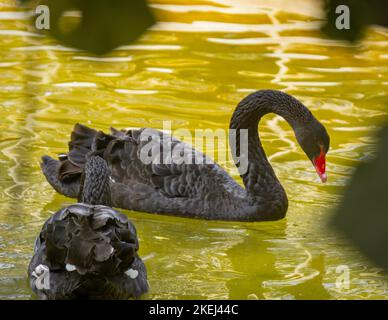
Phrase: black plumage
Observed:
(89, 248)
(190, 189)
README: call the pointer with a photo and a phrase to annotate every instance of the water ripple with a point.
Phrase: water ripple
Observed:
(193, 68)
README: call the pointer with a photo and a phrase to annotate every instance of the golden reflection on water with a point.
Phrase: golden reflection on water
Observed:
(192, 68)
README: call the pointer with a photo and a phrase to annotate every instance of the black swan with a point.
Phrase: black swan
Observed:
(195, 190)
(88, 250)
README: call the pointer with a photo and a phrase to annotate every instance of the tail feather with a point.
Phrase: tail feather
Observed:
(64, 175)
(81, 142)
(91, 252)
(89, 238)
(50, 169)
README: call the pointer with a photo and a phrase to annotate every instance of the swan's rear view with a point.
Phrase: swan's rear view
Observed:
(88, 250)
(189, 189)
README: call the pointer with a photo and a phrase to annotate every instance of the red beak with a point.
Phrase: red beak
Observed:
(320, 165)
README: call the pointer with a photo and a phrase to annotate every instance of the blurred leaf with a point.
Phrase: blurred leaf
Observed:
(105, 24)
(362, 14)
(363, 214)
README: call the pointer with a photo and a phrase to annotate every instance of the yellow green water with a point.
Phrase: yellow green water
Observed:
(192, 68)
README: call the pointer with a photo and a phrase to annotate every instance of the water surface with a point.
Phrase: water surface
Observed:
(193, 68)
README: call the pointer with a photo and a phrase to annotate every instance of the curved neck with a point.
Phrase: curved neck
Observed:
(95, 182)
(261, 183)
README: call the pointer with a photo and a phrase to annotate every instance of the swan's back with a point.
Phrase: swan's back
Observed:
(193, 188)
(91, 252)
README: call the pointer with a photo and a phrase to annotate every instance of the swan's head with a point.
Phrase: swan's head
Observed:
(315, 142)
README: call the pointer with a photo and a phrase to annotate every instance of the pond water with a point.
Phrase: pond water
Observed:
(192, 68)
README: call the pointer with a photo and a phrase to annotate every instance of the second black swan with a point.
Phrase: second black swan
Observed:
(195, 190)
(88, 250)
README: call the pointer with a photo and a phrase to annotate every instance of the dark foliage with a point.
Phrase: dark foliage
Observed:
(105, 24)
(362, 14)
(363, 213)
